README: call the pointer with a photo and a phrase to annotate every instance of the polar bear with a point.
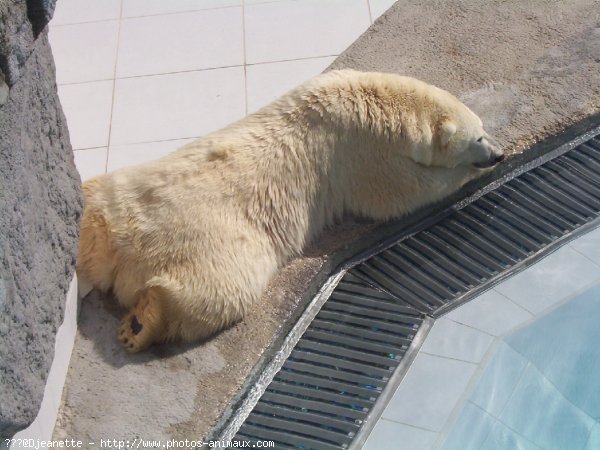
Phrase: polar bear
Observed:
(189, 241)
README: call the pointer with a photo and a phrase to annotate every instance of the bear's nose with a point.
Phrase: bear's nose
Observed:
(494, 158)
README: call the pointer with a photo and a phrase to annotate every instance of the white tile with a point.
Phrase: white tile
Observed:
(90, 162)
(588, 245)
(453, 340)
(378, 7)
(76, 11)
(550, 280)
(72, 49)
(176, 106)
(134, 8)
(181, 42)
(430, 391)
(87, 107)
(303, 29)
(490, 312)
(266, 82)
(127, 155)
(387, 432)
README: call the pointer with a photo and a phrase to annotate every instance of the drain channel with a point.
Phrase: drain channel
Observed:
(328, 386)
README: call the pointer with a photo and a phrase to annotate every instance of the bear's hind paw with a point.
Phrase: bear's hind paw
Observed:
(133, 336)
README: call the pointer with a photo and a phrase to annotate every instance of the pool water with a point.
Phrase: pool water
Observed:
(541, 387)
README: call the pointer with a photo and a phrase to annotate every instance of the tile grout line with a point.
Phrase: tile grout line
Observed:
(587, 284)
(449, 358)
(155, 141)
(143, 16)
(197, 70)
(171, 13)
(114, 83)
(514, 301)
(408, 424)
(84, 149)
(470, 326)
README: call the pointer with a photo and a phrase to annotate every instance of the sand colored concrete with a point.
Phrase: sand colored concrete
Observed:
(529, 69)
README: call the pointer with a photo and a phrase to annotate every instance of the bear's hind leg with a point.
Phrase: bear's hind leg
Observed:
(97, 258)
(145, 324)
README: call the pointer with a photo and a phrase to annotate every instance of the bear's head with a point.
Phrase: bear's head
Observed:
(451, 135)
(462, 141)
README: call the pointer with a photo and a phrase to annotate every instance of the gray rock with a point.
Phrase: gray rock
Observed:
(40, 205)
(21, 21)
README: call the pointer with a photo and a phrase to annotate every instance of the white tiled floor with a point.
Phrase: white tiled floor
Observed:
(78, 11)
(88, 109)
(302, 29)
(176, 106)
(454, 340)
(507, 314)
(387, 434)
(181, 42)
(91, 162)
(551, 280)
(76, 63)
(260, 78)
(445, 381)
(138, 78)
(136, 8)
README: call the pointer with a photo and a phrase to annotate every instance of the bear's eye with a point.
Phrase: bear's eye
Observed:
(480, 139)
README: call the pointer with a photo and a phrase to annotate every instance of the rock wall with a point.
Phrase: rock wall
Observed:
(40, 206)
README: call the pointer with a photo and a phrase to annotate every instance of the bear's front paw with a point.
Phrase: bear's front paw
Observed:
(132, 334)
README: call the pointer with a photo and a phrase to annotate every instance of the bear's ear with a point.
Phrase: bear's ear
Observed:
(448, 130)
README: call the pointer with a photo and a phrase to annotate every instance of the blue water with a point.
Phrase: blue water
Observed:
(541, 388)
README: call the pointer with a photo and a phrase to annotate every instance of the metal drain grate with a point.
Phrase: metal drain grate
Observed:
(436, 266)
(339, 367)
(336, 371)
